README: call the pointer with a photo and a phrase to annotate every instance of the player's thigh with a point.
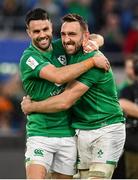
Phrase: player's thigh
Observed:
(103, 145)
(84, 149)
(109, 146)
(38, 156)
(106, 150)
(65, 159)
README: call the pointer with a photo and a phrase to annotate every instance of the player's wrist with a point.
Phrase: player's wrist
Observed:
(33, 106)
(94, 63)
(89, 63)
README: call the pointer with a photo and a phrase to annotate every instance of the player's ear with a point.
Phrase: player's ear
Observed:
(51, 26)
(86, 36)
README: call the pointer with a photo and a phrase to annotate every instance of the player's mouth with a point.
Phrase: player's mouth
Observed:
(43, 41)
(69, 45)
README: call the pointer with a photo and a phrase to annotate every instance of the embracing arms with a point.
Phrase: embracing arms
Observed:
(63, 101)
(68, 73)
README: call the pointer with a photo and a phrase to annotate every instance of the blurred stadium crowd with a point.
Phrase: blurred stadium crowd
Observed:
(116, 20)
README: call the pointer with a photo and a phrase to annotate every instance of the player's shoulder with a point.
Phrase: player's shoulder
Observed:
(99, 74)
(81, 56)
(29, 52)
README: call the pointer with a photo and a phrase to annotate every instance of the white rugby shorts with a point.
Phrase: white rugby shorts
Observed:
(56, 154)
(103, 145)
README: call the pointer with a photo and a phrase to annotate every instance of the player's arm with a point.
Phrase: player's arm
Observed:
(127, 103)
(130, 108)
(70, 72)
(97, 39)
(63, 101)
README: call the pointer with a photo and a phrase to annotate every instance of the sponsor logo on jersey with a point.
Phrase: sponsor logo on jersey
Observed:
(38, 152)
(62, 59)
(32, 63)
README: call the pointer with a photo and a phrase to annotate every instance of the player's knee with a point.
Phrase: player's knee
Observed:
(101, 171)
(84, 174)
(36, 171)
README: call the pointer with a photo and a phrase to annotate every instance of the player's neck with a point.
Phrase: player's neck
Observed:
(49, 48)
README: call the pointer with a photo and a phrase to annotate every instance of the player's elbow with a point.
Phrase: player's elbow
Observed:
(59, 80)
(122, 103)
(125, 105)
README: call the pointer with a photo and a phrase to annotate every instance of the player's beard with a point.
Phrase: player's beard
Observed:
(43, 43)
(74, 49)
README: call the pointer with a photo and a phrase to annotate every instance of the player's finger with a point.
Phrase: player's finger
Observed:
(24, 97)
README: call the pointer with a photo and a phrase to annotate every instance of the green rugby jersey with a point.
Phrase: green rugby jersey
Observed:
(99, 106)
(44, 124)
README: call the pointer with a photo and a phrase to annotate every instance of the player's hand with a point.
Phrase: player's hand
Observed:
(90, 46)
(26, 105)
(100, 61)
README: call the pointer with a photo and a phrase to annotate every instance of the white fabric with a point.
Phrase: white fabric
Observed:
(56, 154)
(103, 145)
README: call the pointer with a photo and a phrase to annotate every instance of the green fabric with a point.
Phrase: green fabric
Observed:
(48, 124)
(99, 106)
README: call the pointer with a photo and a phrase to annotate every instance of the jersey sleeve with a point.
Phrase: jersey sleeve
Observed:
(31, 65)
(88, 55)
(91, 77)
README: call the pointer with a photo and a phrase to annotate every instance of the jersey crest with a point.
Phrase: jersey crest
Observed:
(62, 59)
(32, 63)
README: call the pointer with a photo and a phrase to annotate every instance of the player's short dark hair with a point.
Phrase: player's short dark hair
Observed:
(135, 65)
(36, 14)
(76, 18)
